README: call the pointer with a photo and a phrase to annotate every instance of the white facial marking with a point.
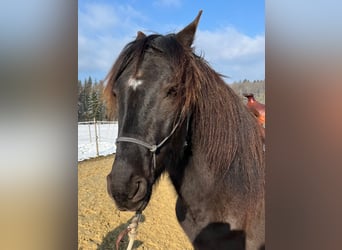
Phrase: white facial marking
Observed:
(134, 83)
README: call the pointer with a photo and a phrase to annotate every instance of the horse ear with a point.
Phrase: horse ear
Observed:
(140, 35)
(186, 36)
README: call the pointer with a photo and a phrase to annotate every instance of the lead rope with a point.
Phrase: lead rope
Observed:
(131, 230)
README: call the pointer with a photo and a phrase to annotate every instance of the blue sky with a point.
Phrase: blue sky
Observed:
(230, 35)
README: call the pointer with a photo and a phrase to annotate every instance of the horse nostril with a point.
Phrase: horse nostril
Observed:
(134, 190)
(139, 190)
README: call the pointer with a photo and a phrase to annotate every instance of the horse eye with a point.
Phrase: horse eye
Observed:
(171, 92)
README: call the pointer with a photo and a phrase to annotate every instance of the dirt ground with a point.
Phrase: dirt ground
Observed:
(99, 222)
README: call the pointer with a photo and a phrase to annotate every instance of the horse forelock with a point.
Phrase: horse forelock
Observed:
(133, 53)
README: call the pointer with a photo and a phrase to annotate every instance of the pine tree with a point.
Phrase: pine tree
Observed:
(80, 103)
(88, 84)
(91, 103)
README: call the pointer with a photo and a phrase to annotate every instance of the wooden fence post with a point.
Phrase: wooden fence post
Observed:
(96, 139)
(89, 132)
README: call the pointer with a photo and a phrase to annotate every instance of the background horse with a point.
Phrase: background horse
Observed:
(176, 114)
(258, 109)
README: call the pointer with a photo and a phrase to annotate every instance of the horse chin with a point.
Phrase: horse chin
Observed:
(135, 205)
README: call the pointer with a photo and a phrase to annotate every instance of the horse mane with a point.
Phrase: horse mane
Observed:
(225, 130)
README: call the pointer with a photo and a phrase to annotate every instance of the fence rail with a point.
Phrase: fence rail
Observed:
(97, 122)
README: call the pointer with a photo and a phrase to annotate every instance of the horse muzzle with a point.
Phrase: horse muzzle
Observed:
(133, 195)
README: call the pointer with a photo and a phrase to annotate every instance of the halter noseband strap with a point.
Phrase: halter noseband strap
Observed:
(153, 148)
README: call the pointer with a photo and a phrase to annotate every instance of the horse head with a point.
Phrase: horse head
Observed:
(145, 85)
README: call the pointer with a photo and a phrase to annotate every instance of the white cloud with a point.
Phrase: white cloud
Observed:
(232, 53)
(103, 32)
(97, 17)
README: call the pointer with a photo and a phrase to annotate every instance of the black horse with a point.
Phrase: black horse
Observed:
(176, 114)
